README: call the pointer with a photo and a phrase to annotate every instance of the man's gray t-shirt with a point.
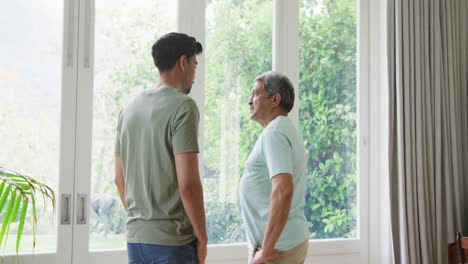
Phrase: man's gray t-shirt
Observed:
(153, 127)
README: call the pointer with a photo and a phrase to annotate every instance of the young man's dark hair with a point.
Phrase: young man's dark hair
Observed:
(170, 47)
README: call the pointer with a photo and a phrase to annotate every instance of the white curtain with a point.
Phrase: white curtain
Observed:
(427, 58)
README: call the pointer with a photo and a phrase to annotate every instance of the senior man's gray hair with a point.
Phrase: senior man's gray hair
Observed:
(275, 82)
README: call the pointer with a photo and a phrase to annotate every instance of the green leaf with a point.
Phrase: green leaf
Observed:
(34, 216)
(2, 186)
(23, 186)
(14, 213)
(6, 218)
(21, 224)
(4, 197)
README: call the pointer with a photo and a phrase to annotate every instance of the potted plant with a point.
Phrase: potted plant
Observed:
(18, 193)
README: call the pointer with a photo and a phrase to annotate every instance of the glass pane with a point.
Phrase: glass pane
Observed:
(30, 93)
(238, 49)
(328, 115)
(125, 32)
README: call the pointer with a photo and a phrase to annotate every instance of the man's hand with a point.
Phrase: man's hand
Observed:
(201, 251)
(262, 256)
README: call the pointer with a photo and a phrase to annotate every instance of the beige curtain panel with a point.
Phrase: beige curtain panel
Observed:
(427, 56)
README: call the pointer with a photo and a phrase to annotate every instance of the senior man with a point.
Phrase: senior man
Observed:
(273, 186)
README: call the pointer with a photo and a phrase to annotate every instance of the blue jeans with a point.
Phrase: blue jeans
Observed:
(139, 253)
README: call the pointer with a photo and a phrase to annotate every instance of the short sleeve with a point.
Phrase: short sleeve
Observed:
(278, 154)
(117, 136)
(185, 128)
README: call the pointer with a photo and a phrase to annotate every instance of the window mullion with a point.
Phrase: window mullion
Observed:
(286, 46)
(191, 21)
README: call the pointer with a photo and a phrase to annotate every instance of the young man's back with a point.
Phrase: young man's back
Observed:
(152, 128)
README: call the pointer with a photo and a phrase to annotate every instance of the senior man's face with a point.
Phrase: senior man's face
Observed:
(260, 104)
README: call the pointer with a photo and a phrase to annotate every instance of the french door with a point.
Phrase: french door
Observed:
(38, 72)
(65, 75)
(115, 38)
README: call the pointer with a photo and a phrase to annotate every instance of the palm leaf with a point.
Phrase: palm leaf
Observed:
(6, 218)
(21, 224)
(34, 220)
(14, 214)
(2, 186)
(17, 190)
(4, 197)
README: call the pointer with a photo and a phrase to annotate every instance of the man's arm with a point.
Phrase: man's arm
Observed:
(191, 193)
(281, 198)
(119, 180)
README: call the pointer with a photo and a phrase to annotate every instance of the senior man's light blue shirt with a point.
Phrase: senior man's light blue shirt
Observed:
(279, 149)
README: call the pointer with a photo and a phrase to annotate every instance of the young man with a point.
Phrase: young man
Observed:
(157, 173)
(272, 189)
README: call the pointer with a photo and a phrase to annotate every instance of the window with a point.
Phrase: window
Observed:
(327, 110)
(327, 115)
(238, 49)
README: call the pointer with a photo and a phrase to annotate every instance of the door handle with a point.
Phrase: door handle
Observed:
(65, 209)
(82, 214)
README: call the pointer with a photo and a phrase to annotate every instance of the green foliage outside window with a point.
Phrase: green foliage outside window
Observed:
(328, 115)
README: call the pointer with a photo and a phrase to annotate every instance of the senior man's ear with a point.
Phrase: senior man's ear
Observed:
(276, 99)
